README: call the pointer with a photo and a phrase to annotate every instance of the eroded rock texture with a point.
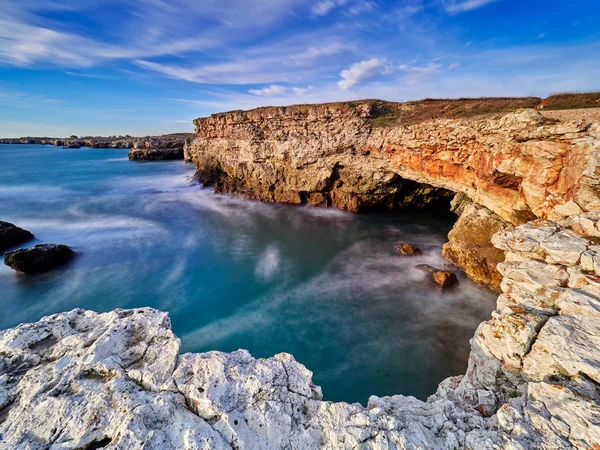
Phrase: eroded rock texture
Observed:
(158, 149)
(117, 380)
(511, 167)
(520, 165)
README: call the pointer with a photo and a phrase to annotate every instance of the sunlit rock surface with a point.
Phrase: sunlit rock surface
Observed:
(514, 165)
(117, 380)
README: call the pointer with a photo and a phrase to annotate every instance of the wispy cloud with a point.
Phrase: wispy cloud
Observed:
(362, 72)
(459, 6)
(270, 91)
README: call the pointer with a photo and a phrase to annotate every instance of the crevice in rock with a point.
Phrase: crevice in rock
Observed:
(101, 443)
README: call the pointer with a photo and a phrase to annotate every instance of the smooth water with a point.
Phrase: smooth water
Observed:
(323, 285)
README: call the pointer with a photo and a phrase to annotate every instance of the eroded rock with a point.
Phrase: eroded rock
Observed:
(406, 249)
(40, 258)
(11, 236)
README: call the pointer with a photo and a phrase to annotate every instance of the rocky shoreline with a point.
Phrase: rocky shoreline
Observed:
(117, 380)
(526, 186)
(168, 146)
(513, 166)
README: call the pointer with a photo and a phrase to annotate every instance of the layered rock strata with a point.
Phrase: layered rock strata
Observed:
(514, 166)
(117, 380)
(157, 150)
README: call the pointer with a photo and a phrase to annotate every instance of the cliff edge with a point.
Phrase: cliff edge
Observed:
(515, 159)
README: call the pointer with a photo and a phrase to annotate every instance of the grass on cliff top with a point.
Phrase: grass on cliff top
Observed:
(390, 114)
(386, 114)
(571, 101)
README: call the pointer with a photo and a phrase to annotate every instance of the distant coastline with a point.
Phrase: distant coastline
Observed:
(93, 141)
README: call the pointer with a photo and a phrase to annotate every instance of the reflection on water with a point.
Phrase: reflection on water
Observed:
(321, 284)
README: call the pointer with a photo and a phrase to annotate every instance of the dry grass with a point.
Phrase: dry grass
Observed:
(423, 110)
(572, 101)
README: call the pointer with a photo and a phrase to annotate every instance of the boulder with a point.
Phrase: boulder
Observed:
(470, 243)
(40, 258)
(155, 154)
(406, 249)
(444, 278)
(11, 235)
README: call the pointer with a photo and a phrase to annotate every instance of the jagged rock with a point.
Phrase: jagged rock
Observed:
(155, 154)
(11, 235)
(406, 249)
(469, 244)
(39, 258)
(444, 279)
(83, 380)
(513, 164)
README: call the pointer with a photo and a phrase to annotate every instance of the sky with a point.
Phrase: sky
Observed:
(147, 67)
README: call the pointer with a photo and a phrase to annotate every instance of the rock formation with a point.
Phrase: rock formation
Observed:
(157, 150)
(164, 141)
(40, 258)
(11, 236)
(117, 380)
(513, 165)
(469, 242)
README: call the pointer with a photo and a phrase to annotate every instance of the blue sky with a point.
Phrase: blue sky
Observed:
(138, 67)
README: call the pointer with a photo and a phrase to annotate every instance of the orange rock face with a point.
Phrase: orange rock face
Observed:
(520, 165)
(517, 165)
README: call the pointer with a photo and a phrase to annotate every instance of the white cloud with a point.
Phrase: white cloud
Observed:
(270, 91)
(453, 66)
(363, 71)
(415, 73)
(324, 7)
(302, 91)
(459, 6)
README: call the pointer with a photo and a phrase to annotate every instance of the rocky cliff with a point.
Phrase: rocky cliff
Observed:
(84, 380)
(520, 164)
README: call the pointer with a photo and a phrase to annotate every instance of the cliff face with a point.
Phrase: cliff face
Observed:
(518, 164)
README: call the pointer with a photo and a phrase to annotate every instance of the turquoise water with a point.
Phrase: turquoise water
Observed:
(324, 285)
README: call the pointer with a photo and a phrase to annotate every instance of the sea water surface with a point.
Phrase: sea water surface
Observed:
(323, 285)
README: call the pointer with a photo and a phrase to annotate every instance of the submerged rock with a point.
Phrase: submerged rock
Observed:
(40, 258)
(406, 249)
(444, 278)
(11, 235)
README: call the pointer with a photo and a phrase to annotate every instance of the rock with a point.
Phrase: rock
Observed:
(514, 163)
(515, 166)
(155, 154)
(40, 258)
(116, 380)
(469, 244)
(444, 279)
(406, 249)
(11, 236)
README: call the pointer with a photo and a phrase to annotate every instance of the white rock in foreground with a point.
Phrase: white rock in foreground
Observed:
(86, 381)
(83, 380)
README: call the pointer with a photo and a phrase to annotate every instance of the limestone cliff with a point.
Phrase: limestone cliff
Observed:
(520, 164)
